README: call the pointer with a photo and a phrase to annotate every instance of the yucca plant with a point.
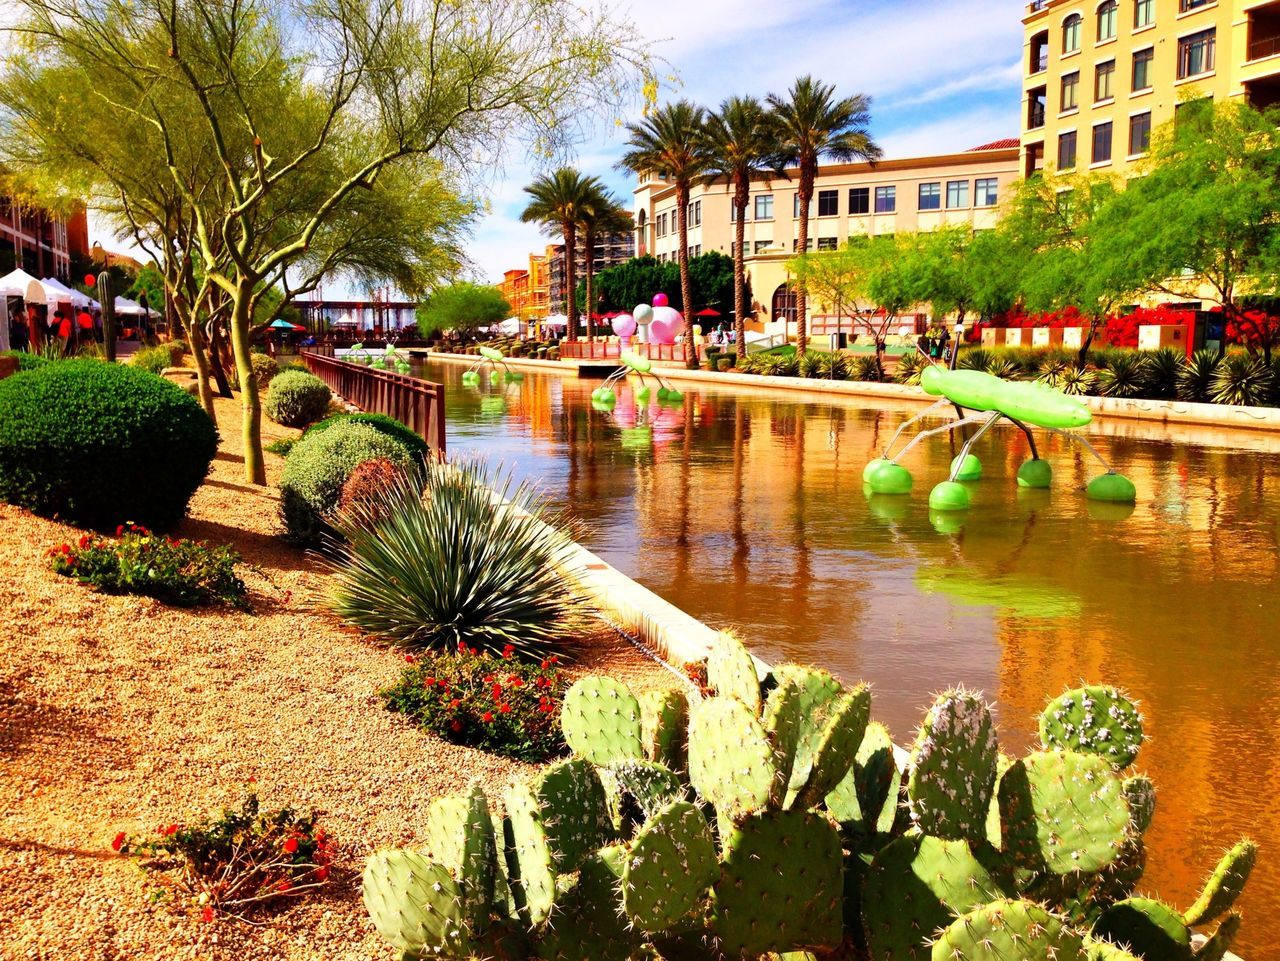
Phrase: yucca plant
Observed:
(811, 364)
(864, 368)
(910, 367)
(833, 366)
(976, 358)
(1077, 380)
(1002, 367)
(1123, 376)
(1160, 374)
(454, 554)
(1052, 370)
(1195, 378)
(1243, 380)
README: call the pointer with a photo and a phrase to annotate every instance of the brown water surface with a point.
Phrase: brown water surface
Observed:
(746, 509)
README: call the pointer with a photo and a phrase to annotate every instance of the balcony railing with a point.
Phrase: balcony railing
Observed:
(1263, 48)
(416, 403)
(611, 350)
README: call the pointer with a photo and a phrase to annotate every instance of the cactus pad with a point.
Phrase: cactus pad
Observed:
(1062, 812)
(664, 726)
(1140, 795)
(818, 693)
(671, 864)
(1224, 884)
(731, 671)
(783, 721)
(574, 812)
(915, 886)
(730, 760)
(953, 768)
(415, 904)
(781, 884)
(866, 800)
(530, 870)
(838, 746)
(1216, 948)
(1094, 720)
(1147, 928)
(1096, 949)
(600, 718)
(460, 833)
(588, 925)
(1004, 930)
(636, 790)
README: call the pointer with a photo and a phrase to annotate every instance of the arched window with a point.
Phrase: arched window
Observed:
(1107, 15)
(1071, 33)
(784, 303)
(1040, 52)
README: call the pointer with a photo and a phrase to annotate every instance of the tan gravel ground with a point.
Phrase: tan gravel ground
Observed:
(119, 714)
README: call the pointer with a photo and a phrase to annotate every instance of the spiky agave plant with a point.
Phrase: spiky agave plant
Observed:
(1123, 376)
(1002, 367)
(454, 553)
(975, 358)
(811, 364)
(1195, 379)
(1160, 374)
(1077, 380)
(1052, 370)
(1241, 379)
(864, 368)
(910, 367)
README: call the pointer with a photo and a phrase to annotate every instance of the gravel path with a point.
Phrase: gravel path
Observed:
(119, 714)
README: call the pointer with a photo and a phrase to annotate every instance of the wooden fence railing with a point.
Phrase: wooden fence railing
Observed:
(417, 403)
(610, 350)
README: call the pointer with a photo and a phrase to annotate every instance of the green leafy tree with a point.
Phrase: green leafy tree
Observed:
(742, 140)
(558, 201)
(815, 124)
(670, 143)
(462, 307)
(633, 282)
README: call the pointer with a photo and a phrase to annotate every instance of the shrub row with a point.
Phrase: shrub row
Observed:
(296, 398)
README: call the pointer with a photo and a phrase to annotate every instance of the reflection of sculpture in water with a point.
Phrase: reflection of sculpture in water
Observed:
(496, 360)
(1012, 594)
(990, 399)
(604, 397)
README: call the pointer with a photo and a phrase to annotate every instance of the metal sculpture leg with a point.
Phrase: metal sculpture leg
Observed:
(994, 416)
(907, 423)
(946, 428)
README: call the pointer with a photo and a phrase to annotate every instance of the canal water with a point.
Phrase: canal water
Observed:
(746, 509)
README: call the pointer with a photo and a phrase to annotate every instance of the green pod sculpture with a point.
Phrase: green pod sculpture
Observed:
(1031, 403)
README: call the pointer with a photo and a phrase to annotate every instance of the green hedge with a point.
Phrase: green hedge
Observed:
(296, 399)
(380, 422)
(102, 444)
(317, 467)
(27, 360)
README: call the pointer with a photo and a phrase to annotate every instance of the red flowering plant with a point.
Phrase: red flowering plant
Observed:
(243, 859)
(181, 572)
(497, 703)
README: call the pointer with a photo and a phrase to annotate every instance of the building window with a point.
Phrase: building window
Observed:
(1142, 60)
(930, 196)
(1067, 150)
(826, 243)
(1139, 133)
(1144, 13)
(661, 225)
(1071, 33)
(1103, 76)
(764, 207)
(1186, 5)
(1107, 20)
(808, 245)
(763, 245)
(986, 192)
(828, 203)
(1102, 143)
(957, 194)
(695, 213)
(1035, 108)
(1070, 90)
(859, 200)
(1040, 52)
(886, 200)
(1196, 53)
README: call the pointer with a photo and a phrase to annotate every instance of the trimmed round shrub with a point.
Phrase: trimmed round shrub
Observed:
(380, 422)
(102, 444)
(27, 360)
(318, 467)
(295, 399)
(264, 368)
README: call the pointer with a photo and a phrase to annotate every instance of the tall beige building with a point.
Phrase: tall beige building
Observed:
(891, 196)
(1099, 75)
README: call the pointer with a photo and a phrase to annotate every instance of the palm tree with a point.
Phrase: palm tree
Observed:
(556, 201)
(670, 143)
(742, 139)
(814, 125)
(602, 215)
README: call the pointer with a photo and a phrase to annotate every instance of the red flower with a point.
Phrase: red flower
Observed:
(207, 915)
(487, 717)
(547, 708)
(515, 681)
(290, 845)
(252, 779)
(169, 830)
(554, 659)
(488, 678)
(497, 692)
(456, 726)
(504, 708)
(430, 682)
(284, 885)
(84, 541)
(120, 530)
(455, 703)
(118, 841)
(322, 873)
(508, 650)
(409, 658)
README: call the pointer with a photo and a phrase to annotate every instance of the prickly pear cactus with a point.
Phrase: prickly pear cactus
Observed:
(1147, 928)
(731, 670)
(671, 864)
(575, 815)
(1062, 812)
(1098, 949)
(781, 884)
(783, 722)
(460, 836)
(1224, 884)
(415, 904)
(600, 718)
(1008, 929)
(664, 727)
(730, 760)
(915, 886)
(819, 692)
(1140, 795)
(587, 924)
(837, 747)
(1094, 720)
(530, 865)
(1216, 948)
(953, 768)
(636, 790)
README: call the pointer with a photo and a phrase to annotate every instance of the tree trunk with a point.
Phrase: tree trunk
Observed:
(255, 471)
(686, 287)
(802, 248)
(571, 278)
(739, 279)
(219, 359)
(589, 241)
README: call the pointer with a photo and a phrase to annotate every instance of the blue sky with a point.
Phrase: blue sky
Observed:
(943, 76)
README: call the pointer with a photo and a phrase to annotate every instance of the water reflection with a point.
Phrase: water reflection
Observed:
(747, 510)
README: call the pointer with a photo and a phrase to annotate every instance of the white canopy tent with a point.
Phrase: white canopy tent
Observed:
(76, 298)
(52, 293)
(556, 320)
(15, 283)
(126, 306)
(509, 326)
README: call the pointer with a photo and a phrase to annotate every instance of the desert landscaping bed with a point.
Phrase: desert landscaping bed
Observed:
(119, 713)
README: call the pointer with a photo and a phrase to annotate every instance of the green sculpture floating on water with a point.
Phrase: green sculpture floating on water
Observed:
(989, 399)
(604, 397)
(496, 360)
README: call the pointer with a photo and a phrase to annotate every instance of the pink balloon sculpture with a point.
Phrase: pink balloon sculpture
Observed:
(659, 300)
(666, 323)
(624, 325)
